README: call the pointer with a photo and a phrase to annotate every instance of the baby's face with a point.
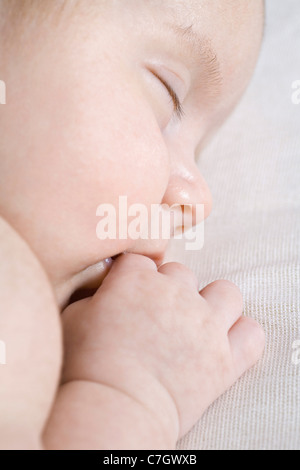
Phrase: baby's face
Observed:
(90, 117)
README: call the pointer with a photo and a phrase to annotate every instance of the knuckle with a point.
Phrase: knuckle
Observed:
(176, 266)
(258, 334)
(180, 268)
(140, 260)
(255, 341)
(230, 292)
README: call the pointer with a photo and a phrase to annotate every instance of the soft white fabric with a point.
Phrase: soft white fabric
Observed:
(253, 239)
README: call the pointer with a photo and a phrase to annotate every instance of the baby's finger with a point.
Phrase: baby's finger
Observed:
(247, 341)
(181, 273)
(132, 262)
(225, 299)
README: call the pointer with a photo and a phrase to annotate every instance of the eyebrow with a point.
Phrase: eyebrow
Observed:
(203, 57)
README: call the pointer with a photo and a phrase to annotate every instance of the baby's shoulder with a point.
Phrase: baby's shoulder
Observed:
(13, 248)
(19, 266)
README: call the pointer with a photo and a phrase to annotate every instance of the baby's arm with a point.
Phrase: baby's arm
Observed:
(30, 329)
(146, 356)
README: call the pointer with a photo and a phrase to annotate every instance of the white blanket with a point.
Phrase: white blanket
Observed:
(253, 239)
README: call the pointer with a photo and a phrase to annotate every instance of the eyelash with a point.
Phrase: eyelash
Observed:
(178, 108)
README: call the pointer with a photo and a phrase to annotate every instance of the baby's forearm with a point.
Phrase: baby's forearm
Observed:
(93, 416)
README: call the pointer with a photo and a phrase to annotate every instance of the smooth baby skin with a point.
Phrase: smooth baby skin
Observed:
(93, 122)
(30, 327)
(146, 355)
(87, 121)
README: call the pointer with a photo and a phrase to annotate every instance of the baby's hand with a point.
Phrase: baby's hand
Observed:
(150, 335)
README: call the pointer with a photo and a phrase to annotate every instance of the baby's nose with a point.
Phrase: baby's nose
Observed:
(189, 188)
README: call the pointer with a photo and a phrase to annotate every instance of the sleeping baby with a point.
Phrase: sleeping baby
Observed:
(107, 346)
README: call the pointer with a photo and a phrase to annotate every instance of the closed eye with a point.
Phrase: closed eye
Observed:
(178, 108)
